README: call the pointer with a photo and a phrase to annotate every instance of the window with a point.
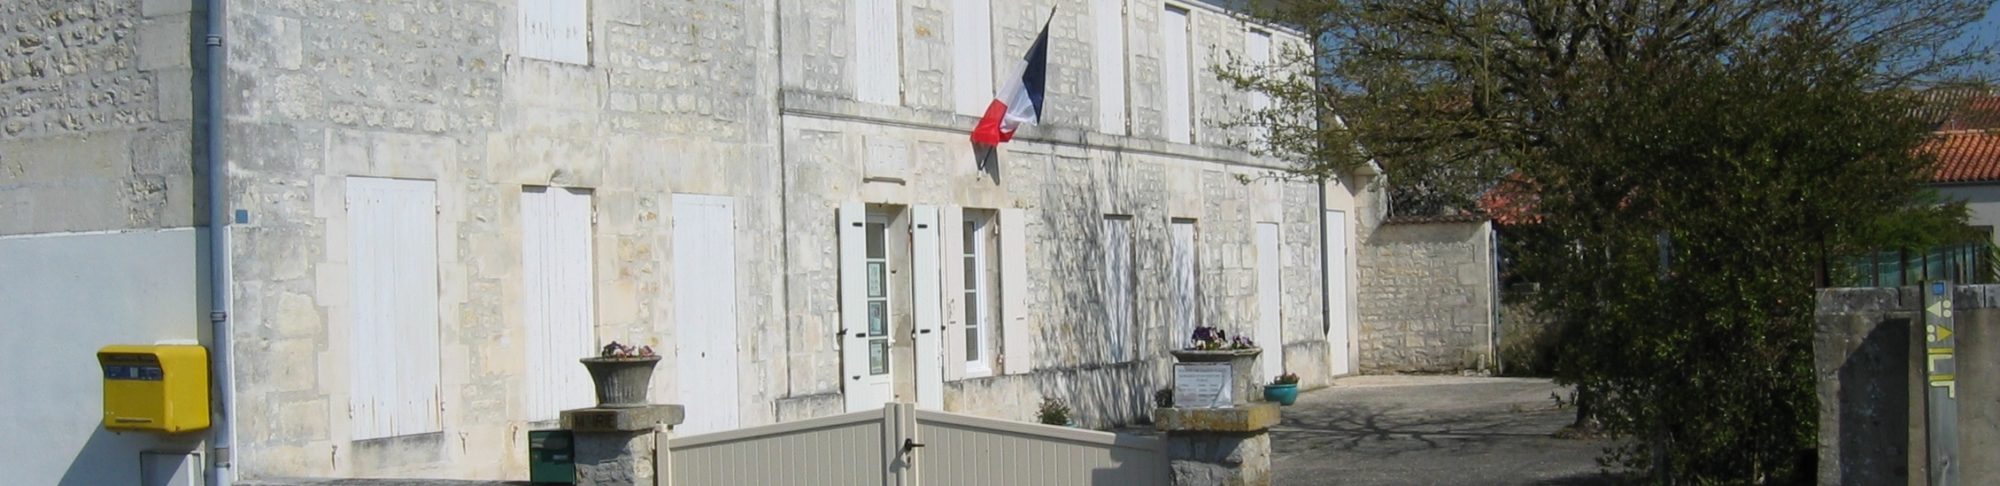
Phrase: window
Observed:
(1117, 286)
(392, 347)
(1110, 18)
(1182, 290)
(877, 61)
(1175, 76)
(554, 30)
(878, 294)
(978, 289)
(972, 55)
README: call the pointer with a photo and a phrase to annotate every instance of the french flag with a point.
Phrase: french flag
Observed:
(1020, 100)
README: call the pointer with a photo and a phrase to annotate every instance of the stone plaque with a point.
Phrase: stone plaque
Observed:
(1202, 385)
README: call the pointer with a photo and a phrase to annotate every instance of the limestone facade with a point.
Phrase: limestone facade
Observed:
(755, 101)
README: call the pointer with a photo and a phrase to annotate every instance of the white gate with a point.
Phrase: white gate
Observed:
(901, 445)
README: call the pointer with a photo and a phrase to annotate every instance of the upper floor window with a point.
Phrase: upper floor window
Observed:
(554, 30)
(878, 73)
(1176, 76)
(972, 55)
(1110, 65)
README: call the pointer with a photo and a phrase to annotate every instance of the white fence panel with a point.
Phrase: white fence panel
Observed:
(963, 450)
(840, 450)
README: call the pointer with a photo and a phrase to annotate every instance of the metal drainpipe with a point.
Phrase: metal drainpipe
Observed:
(222, 431)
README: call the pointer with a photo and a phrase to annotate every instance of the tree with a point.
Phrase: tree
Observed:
(1695, 165)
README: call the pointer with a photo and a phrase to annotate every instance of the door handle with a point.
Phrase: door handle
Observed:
(926, 331)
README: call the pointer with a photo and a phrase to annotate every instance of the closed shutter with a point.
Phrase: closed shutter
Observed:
(393, 342)
(1017, 327)
(1110, 18)
(1174, 76)
(1258, 43)
(1182, 293)
(951, 244)
(556, 270)
(878, 63)
(554, 30)
(705, 320)
(972, 55)
(924, 258)
(1117, 285)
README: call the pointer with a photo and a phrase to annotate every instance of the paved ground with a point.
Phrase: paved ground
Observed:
(1431, 430)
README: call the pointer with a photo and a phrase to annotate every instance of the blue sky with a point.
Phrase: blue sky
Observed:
(1986, 32)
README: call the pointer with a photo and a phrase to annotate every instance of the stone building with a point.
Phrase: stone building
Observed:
(433, 208)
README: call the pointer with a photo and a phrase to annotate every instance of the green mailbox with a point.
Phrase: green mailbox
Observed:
(551, 457)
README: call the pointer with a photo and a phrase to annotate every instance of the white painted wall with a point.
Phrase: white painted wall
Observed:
(1983, 201)
(62, 297)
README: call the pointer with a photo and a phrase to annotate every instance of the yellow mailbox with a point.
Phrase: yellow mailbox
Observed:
(161, 388)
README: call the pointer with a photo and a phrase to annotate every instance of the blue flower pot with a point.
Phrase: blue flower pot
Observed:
(1283, 394)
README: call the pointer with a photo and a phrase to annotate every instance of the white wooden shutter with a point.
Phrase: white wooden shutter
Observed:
(1017, 329)
(929, 333)
(556, 266)
(1174, 76)
(1336, 291)
(704, 235)
(1110, 18)
(393, 343)
(1182, 297)
(972, 55)
(554, 30)
(951, 244)
(1270, 332)
(1258, 43)
(877, 60)
(853, 221)
(1117, 286)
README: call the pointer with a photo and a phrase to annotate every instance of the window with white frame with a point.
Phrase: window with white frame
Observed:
(554, 30)
(1117, 285)
(978, 288)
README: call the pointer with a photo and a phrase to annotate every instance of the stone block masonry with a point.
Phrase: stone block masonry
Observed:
(95, 102)
(1426, 292)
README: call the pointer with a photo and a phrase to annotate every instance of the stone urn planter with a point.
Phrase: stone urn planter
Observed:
(621, 382)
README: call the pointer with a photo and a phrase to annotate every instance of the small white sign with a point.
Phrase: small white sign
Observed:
(1202, 385)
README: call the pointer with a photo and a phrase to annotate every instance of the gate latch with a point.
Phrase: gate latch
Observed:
(910, 444)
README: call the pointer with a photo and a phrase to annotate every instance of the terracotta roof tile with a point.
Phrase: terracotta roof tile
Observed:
(1965, 156)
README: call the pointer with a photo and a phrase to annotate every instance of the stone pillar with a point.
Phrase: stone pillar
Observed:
(617, 446)
(1220, 446)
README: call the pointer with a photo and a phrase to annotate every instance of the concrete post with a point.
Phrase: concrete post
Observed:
(617, 446)
(1221, 446)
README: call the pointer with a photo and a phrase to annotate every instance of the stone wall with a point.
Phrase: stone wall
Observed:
(96, 98)
(676, 98)
(1426, 296)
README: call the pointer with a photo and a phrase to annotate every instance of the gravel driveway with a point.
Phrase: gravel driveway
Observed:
(1431, 430)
